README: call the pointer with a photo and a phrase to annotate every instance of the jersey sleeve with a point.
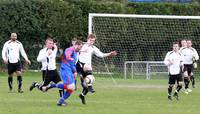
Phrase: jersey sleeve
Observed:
(100, 54)
(23, 53)
(5, 51)
(166, 60)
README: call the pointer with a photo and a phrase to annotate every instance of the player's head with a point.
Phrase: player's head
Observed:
(189, 43)
(13, 36)
(49, 43)
(78, 45)
(175, 46)
(73, 41)
(183, 43)
(91, 39)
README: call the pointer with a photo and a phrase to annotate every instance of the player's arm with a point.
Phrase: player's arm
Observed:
(42, 56)
(4, 53)
(100, 54)
(68, 54)
(196, 55)
(167, 61)
(23, 53)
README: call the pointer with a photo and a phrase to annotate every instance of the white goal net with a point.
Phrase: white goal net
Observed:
(139, 38)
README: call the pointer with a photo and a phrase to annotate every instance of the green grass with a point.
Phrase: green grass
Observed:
(137, 96)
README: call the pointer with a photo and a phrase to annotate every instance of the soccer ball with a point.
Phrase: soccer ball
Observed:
(89, 80)
(195, 65)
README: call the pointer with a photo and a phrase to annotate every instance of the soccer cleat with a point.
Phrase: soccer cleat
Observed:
(193, 86)
(20, 91)
(91, 89)
(62, 104)
(189, 90)
(82, 98)
(32, 86)
(169, 98)
(176, 96)
(186, 92)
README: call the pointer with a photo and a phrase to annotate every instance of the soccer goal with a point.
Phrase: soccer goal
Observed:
(143, 38)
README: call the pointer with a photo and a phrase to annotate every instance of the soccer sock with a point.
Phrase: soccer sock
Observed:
(186, 81)
(169, 90)
(66, 95)
(19, 81)
(84, 91)
(61, 92)
(192, 80)
(178, 88)
(10, 82)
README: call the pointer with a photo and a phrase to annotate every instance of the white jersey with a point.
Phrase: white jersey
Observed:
(176, 59)
(87, 51)
(48, 61)
(11, 51)
(189, 55)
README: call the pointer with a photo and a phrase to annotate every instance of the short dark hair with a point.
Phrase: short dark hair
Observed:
(92, 36)
(78, 42)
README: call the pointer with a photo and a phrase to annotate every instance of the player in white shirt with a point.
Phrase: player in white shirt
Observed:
(173, 60)
(47, 56)
(190, 56)
(84, 65)
(11, 56)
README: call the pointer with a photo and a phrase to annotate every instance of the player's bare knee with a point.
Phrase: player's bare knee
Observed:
(171, 85)
(19, 73)
(181, 83)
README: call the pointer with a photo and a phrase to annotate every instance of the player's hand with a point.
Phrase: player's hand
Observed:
(5, 61)
(113, 53)
(28, 62)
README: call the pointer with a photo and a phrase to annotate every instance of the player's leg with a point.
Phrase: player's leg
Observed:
(171, 84)
(192, 78)
(11, 70)
(84, 91)
(56, 79)
(179, 86)
(19, 77)
(36, 84)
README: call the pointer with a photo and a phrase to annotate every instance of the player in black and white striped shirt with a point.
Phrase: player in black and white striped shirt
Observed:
(11, 56)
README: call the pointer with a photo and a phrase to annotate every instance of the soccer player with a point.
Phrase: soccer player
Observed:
(11, 56)
(190, 55)
(47, 56)
(68, 72)
(173, 60)
(84, 65)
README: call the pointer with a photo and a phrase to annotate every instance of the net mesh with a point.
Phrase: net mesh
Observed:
(139, 39)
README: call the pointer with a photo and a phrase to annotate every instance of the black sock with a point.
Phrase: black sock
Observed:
(10, 82)
(178, 88)
(85, 91)
(186, 81)
(169, 90)
(192, 80)
(61, 91)
(19, 81)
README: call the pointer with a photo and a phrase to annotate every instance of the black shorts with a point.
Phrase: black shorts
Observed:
(13, 67)
(79, 67)
(43, 74)
(188, 68)
(175, 78)
(51, 75)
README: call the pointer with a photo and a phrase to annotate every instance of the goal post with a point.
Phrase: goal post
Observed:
(144, 38)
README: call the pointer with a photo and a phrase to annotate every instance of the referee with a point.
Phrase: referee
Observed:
(11, 56)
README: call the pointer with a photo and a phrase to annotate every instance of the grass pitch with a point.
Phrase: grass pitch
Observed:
(138, 96)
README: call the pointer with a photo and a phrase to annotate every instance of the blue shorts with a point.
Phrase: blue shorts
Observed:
(66, 75)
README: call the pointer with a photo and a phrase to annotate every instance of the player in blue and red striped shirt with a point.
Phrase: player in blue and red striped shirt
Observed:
(68, 72)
